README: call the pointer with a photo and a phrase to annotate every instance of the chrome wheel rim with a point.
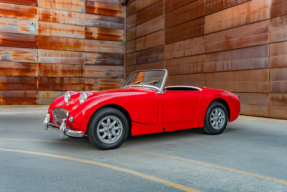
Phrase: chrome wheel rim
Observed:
(217, 118)
(109, 129)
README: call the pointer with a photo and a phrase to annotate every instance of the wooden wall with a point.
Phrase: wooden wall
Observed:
(50, 46)
(236, 45)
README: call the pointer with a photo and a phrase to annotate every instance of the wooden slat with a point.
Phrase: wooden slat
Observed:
(212, 6)
(250, 12)
(172, 4)
(131, 33)
(104, 46)
(278, 106)
(73, 6)
(131, 21)
(240, 59)
(131, 8)
(151, 26)
(104, 34)
(278, 8)
(61, 57)
(186, 13)
(18, 54)
(61, 30)
(18, 26)
(47, 97)
(23, 2)
(18, 11)
(104, 59)
(189, 79)
(18, 40)
(103, 71)
(245, 36)
(102, 83)
(144, 4)
(278, 80)
(278, 29)
(61, 83)
(150, 55)
(104, 9)
(278, 55)
(153, 11)
(18, 65)
(131, 46)
(151, 40)
(131, 58)
(102, 21)
(59, 70)
(184, 31)
(60, 43)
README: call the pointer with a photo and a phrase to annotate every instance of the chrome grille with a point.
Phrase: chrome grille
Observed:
(59, 114)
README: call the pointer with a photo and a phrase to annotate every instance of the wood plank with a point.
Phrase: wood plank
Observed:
(212, 6)
(278, 106)
(18, 72)
(131, 33)
(103, 83)
(150, 55)
(18, 40)
(59, 16)
(67, 5)
(131, 21)
(17, 94)
(278, 8)
(189, 47)
(61, 80)
(131, 46)
(184, 31)
(131, 58)
(278, 29)
(62, 87)
(172, 4)
(104, 9)
(60, 57)
(278, 55)
(18, 65)
(102, 21)
(250, 12)
(131, 8)
(239, 59)
(189, 79)
(18, 11)
(19, 101)
(244, 36)
(144, 4)
(18, 26)
(61, 30)
(104, 71)
(104, 34)
(99, 46)
(59, 70)
(152, 40)
(117, 2)
(104, 59)
(23, 2)
(151, 26)
(278, 80)
(18, 54)
(47, 97)
(153, 11)
(184, 14)
(60, 43)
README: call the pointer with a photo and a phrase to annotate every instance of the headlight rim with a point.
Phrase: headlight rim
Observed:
(67, 96)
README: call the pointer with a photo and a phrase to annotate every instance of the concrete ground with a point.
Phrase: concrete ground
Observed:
(251, 155)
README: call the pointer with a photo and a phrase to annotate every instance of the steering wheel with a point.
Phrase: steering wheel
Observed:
(157, 82)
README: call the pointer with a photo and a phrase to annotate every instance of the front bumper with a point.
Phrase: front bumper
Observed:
(62, 128)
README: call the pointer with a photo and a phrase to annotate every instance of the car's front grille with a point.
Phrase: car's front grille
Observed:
(59, 114)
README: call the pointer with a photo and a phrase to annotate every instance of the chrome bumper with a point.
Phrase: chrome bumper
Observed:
(62, 128)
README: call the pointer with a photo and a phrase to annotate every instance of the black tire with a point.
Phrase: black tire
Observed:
(211, 128)
(93, 130)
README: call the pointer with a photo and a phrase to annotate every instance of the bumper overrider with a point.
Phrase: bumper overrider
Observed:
(62, 128)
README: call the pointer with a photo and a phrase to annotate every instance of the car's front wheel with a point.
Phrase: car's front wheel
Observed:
(108, 128)
(216, 118)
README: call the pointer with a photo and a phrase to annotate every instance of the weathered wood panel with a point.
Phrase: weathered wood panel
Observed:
(184, 31)
(143, 4)
(256, 81)
(60, 43)
(186, 65)
(18, 97)
(172, 4)
(194, 46)
(278, 105)
(18, 26)
(149, 41)
(212, 6)
(60, 83)
(18, 83)
(186, 13)
(150, 55)
(151, 26)
(131, 33)
(240, 59)
(104, 71)
(73, 6)
(61, 30)
(245, 36)
(59, 70)
(104, 46)
(278, 80)
(18, 40)
(278, 55)
(278, 8)
(62, 57)
(102, 21)
(278, 29)
(131, 46)
(104, 59)
(189, 79)
(131, 58)
(250, 12)
(103, 83)
(104, 34)
(18, 54)
(18, 69)
(18, 11)
(131, 8)
(59, 16)
(47, 97)
(254, 104)
(23, 2)
(104, 9)
(153, 11)
(131, 21)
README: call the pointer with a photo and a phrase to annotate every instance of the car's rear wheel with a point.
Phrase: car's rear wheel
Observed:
(216, 118)
(108, 128)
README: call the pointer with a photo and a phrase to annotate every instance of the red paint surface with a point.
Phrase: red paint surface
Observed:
(150, 112)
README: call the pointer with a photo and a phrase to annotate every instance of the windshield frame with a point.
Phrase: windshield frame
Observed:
(160, 90)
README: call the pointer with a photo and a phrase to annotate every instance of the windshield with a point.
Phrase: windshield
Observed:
(153, 78)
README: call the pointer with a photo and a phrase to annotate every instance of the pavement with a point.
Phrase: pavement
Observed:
(250, 155)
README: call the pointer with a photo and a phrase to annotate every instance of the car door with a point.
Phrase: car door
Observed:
(180, 105)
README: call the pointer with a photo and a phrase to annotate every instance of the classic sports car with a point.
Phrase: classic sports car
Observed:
(142, 106)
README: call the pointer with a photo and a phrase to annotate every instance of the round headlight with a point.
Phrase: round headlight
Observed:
(67, 96)
(83, 97)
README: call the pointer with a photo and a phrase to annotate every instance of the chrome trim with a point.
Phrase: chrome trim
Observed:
(184, 86)
(63, 130)
(147, 86)
(160, 90)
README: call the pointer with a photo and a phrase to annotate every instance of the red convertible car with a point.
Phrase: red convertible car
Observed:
(144, 105)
